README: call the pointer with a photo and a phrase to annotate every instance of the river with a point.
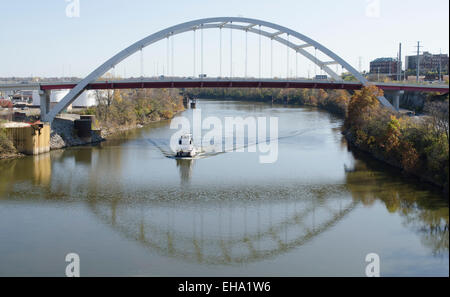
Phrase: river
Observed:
(128, 209)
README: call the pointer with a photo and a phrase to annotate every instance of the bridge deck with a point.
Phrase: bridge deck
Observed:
(227, 83)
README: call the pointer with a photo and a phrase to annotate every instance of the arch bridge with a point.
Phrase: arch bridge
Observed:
(288, 37)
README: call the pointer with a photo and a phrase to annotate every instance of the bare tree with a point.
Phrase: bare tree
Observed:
(104, 100)
(439, 112)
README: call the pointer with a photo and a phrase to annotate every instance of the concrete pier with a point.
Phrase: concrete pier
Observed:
(396, 100)
(44, 103)
(29, 139)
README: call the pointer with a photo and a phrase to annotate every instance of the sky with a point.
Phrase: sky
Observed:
(39, 38)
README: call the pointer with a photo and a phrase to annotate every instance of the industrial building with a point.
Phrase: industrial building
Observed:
(385, 66)
(86, 99)
(428, 63)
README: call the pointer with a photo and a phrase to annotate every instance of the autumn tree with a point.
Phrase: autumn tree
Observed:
(363, 104)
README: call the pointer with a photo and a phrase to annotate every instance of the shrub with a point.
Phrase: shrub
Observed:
(6, 145)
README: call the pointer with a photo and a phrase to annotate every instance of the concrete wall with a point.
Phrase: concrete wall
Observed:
(30, 140)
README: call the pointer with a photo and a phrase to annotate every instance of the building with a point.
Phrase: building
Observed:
(427, 63)
(22, 97)
(87, 99)
(384, 66)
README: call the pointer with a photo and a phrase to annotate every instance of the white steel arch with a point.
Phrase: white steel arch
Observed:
(244, 24)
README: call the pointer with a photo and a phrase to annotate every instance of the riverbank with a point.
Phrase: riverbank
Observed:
(117, 111)
(64, 135)
(354, 144)
(418, 147)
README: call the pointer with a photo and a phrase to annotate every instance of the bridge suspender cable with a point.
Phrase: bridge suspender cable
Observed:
(220, 54)
(195, 48)
(259, 58)
(246, 52)
(142, 62)
(201, 51)
(167, 56)
(173, 56)
(231, 50)
(287, 58)
(271, 58)
(315, 64)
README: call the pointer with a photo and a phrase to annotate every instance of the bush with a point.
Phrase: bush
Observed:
(6, 145)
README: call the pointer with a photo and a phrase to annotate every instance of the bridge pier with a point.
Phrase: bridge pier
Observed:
(44, 104)
(396, 99)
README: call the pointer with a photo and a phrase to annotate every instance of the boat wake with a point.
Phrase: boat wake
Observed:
(205, 151)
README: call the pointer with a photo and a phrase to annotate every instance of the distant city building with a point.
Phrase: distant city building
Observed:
(22, 96)
(384, 66)
(427, 63)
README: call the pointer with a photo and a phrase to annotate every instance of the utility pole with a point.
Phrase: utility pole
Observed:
(399, 66)
(418, 62)
(440, 65)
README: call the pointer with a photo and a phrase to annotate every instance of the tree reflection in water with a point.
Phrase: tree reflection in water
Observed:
(427, 215)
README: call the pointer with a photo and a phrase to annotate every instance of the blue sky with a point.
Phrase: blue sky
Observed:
(39, 39)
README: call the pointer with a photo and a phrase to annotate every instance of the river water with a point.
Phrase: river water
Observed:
(128, 209)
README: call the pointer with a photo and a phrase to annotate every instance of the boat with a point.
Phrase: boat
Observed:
(193, 103)
(186, 147)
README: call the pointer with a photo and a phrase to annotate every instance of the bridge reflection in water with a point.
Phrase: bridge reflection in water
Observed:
(215, 224)
(225, 232)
